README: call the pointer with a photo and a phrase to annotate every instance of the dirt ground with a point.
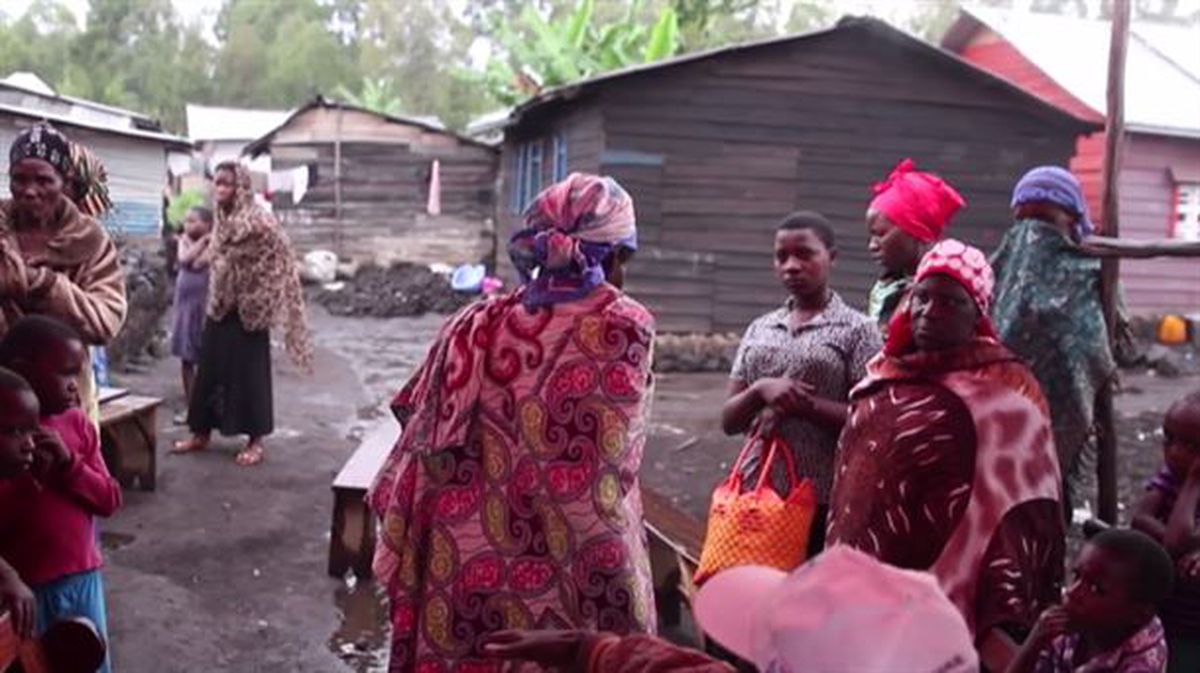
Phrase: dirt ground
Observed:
(223, 568)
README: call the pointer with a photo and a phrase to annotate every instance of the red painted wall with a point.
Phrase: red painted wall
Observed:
(1152, 286)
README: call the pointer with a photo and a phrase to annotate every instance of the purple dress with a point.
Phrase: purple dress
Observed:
(191, 296)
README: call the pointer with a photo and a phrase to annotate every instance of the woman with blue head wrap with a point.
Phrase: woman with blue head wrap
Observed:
(1048, 310)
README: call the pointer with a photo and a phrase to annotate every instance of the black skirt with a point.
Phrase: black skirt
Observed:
(232, 394)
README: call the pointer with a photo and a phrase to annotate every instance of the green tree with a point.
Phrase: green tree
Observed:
(280, 52)
(536, 51)
(376, 94)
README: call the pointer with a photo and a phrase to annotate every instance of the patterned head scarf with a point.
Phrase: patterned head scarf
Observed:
(965, 264)
(570, 229)
(920, 204)
(89, 182)
(1058, 186)
(42, 141)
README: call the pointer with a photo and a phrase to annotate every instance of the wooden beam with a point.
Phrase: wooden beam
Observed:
(1106, 465)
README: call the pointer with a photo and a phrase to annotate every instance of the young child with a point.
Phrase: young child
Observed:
(47, 527)
(18, 425)
(1168, 512)
(910, 211)
(1107, 622)
(191, 294)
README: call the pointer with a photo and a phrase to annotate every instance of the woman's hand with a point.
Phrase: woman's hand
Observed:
(788, 396)
(548, 648)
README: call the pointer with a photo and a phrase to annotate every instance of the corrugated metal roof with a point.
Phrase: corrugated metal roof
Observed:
(1162, 68)
(29, 82)
(64, 120)
(263, 143)
(876, 27)
(230, 123)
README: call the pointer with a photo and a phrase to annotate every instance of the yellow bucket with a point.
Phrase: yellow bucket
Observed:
(1172, 330)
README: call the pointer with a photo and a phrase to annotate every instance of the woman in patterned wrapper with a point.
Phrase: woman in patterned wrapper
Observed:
(795, 366)
(947, 462)
(511, 499)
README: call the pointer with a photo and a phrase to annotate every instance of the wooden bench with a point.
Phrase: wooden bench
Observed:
(129, 437)
(352, 534)
(675, 539)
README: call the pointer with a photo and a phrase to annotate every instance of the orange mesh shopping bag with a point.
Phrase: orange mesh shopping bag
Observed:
(758, 527)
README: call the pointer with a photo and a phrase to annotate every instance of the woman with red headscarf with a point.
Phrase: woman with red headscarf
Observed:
(511, 500)
(947, 463)
(909, 212)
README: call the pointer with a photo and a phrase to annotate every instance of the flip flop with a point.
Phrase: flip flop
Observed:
(189, 446)
(250, 456)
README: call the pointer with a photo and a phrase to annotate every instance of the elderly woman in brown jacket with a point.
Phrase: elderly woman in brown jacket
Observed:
(55, 260)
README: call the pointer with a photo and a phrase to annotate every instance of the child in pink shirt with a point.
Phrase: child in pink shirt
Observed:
(47, 517)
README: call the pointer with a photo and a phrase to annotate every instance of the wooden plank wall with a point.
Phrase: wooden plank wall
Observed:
(748, 137)
(582, 127)
(385, 188)
(1156, 286)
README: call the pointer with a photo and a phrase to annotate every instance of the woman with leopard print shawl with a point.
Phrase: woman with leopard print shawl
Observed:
(254, 286)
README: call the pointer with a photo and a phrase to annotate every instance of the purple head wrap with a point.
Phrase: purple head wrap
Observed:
(1058, 186)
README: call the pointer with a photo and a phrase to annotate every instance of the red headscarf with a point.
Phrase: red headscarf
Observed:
(921, 204)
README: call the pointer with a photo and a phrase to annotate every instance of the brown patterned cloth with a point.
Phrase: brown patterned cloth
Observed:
(947, 464)
(77, 278)
(254, 272)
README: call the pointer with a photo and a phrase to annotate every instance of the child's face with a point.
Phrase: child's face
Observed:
(53, 374)
(194, 225)
(1181, 438)
(1099, 598)
(18, 422)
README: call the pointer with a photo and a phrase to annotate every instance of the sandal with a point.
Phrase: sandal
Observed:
(251, 455)
(191, 445)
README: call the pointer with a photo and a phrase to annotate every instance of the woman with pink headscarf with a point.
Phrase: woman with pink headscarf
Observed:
(907, 215)
(947, 462)
(511, 499)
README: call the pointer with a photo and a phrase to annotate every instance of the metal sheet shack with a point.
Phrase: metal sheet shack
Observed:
(136, 151)
(367, 183)
(1159, 180)
(717, 147)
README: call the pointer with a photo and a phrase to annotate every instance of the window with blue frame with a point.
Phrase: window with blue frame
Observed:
(528, 176)
(518, 180)
(560, 157)
(533, 173)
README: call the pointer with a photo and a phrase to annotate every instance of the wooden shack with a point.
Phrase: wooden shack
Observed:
(367, 186)
(717, 147)
(1159, 179)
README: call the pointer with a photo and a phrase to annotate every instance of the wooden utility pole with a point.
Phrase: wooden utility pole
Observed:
(1114, 130)
(337, 182)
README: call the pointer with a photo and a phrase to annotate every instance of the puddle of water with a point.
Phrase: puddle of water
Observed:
(112, 540)
(362, 639)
